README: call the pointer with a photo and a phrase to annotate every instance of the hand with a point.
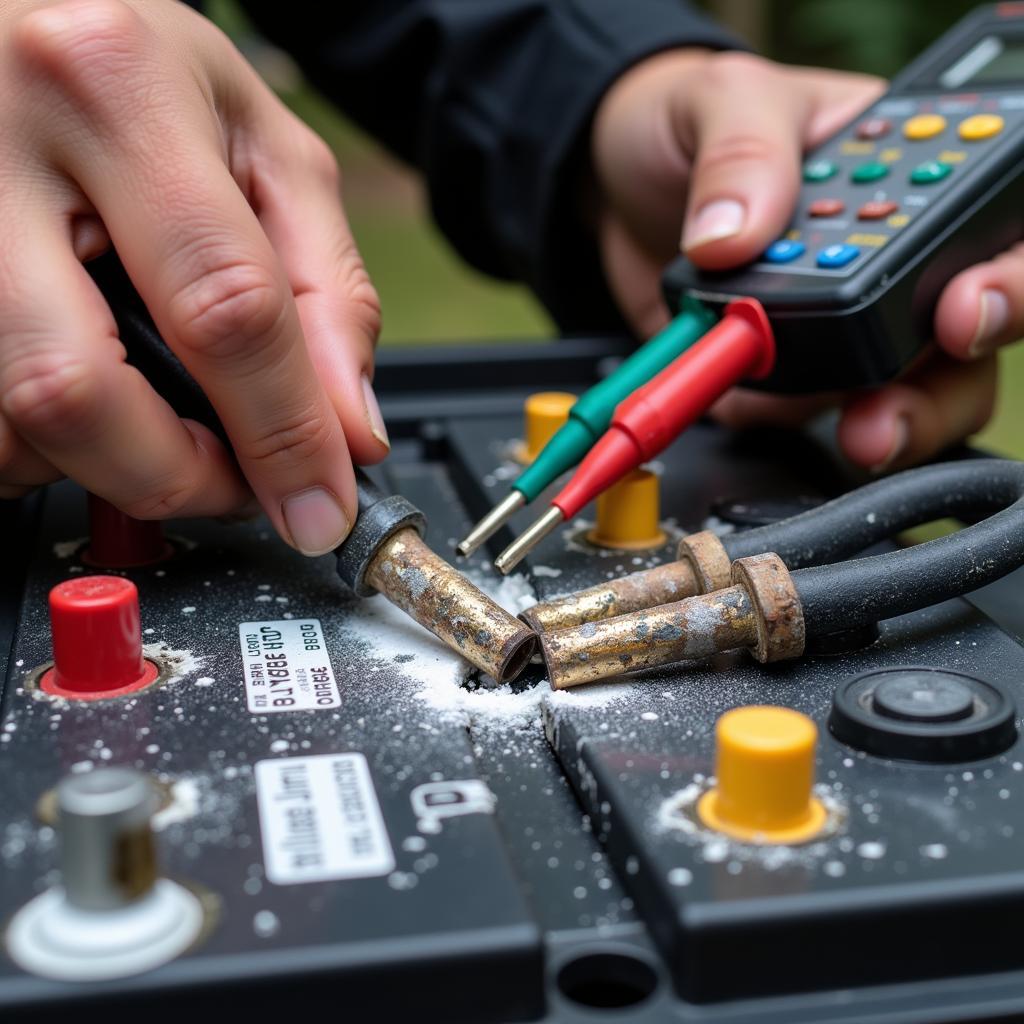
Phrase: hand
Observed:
(714, 142)
(136, 123)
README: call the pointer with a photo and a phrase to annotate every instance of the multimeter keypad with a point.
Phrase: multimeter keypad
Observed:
(873, 171)
(837, 255)
(877, 209)
(826, 208)
(980, 126)
(874, 128)
(886, 169)
(784, 251)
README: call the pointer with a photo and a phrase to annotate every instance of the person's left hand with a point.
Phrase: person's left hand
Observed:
(704, 151)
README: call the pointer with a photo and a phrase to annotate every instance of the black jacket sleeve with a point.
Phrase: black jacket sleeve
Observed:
(492, 100)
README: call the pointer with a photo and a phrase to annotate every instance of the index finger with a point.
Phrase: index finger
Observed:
(201, 262)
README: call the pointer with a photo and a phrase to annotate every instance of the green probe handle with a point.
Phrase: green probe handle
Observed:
(592, 413)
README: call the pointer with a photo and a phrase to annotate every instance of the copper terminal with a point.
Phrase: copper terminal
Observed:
(442, 600)
(761, 611)
(703, 566)
(647, 589)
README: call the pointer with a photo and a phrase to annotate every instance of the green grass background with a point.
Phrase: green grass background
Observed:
(429, 295)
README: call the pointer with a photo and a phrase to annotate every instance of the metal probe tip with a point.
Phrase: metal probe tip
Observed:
(492, 522)
(527, 541)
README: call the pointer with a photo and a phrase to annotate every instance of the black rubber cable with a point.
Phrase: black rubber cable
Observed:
(878, 511)
(845, 595)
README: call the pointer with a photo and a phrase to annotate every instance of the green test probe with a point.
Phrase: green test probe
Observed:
(590, 416)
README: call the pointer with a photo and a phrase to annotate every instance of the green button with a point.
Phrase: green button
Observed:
(869, 172)
(929, 172)
(820, 170)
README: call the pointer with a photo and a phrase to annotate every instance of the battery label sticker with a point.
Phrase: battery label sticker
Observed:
(287, 667)
(320, 819)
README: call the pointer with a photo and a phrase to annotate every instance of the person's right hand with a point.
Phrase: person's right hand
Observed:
(136, 123)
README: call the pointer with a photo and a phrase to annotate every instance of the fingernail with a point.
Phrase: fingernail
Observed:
(718, 219)
(900, 437)
(373, 415)
(315, 520)
(993, 317)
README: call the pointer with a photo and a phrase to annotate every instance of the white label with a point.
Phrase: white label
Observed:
(287, 667)
(320, 819)
(432, 802)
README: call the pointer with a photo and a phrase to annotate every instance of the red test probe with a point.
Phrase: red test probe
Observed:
(739, 347)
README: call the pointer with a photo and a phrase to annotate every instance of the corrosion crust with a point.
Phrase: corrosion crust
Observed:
(442, 600)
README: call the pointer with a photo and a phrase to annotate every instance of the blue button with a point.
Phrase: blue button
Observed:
(837, 256)
(784, 251)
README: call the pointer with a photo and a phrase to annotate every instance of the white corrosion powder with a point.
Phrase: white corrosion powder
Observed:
(184, 804)
(441, 673)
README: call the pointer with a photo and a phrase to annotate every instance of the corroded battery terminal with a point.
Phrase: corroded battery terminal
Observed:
(772, 611)
(385, 553)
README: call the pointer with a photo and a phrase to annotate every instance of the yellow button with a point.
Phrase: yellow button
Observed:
(543, 413)
(924, 126)
(872, 241)
(627, 514)
(764, 767)
(980, 126)
(952, 156)
(898, 220)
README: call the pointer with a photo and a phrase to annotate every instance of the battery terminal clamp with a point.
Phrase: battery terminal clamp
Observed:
(829, 532)
(774, 612)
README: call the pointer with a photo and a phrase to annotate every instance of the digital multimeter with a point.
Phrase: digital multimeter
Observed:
(924, 183)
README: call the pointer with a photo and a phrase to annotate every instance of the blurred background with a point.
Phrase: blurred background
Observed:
(429, 295)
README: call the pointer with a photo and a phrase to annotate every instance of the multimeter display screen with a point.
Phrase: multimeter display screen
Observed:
(991, 60)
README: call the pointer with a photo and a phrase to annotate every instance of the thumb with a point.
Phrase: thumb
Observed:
(745, 123)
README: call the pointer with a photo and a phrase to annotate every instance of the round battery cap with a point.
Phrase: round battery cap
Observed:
(764, 769)
(117, 541)
(925, 697)
(920, 713)
(543, 414)
(97, 639)
(627, 514)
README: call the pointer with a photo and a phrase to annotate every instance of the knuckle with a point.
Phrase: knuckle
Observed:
(321, 161)
(225, 313)
(362, 300)
(78, 39)
(303, 437)
(163, 500)
(729, 67)
(50, 393)
(739, 147)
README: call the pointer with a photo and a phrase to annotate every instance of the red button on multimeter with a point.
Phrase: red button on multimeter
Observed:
(874, 128)
(826, 208)
(877, 209)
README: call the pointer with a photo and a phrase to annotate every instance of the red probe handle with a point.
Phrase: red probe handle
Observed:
(739, 346)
